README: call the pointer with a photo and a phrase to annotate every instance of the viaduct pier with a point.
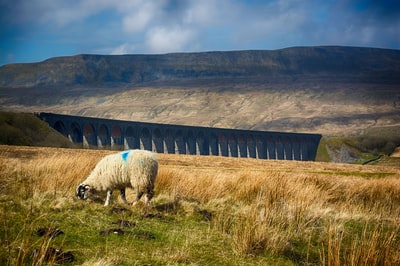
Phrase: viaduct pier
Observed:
(98, 133)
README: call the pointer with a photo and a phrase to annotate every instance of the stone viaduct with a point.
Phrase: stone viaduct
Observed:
(101, 133)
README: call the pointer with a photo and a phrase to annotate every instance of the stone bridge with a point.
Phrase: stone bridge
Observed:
(98, 133)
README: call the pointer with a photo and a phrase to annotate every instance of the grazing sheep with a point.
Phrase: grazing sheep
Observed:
(136, 169)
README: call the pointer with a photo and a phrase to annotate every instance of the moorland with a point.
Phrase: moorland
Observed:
(207, 210)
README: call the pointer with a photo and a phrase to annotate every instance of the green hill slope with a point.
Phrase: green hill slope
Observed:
(28, 130)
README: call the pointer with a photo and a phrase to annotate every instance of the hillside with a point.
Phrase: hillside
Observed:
(328, 90)
(27, 130)
(346, 63)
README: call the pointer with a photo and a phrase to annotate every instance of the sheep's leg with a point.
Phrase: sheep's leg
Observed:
(138, 196)
(149, 196)
(123, 195)
(108, 199)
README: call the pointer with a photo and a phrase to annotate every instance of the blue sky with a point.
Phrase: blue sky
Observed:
(35, 30)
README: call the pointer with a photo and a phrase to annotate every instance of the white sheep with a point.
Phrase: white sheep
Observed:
(136, 169)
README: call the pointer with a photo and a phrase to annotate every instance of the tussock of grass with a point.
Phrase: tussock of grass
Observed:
(372, 245)
(207, 210)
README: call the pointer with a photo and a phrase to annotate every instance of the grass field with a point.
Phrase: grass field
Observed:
(207, 211)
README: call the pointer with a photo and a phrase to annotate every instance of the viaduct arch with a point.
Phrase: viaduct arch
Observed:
(98, 133)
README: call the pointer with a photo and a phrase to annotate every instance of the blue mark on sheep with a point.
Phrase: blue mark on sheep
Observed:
(124, 155)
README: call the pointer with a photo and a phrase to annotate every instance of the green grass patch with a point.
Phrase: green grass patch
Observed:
(322, 151)
(116, 235)
(360, 148)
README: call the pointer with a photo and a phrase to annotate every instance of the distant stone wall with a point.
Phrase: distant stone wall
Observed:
(98, 133)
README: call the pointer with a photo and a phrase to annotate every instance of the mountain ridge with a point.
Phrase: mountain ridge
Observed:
(323, 89)
(350, 63)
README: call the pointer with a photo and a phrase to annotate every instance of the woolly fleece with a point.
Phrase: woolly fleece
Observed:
(135, 169)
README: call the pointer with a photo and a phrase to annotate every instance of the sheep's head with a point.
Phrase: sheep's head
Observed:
(82, 191)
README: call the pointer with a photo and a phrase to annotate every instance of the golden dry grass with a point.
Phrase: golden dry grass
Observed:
(306, 212)
(269, 204)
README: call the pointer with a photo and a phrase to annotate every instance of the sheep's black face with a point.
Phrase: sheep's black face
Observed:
(82, 192)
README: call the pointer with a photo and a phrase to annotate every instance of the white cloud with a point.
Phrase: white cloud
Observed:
(203, 12)
(139, 17)
(158, 26)
(164, 40)
(125, 48)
